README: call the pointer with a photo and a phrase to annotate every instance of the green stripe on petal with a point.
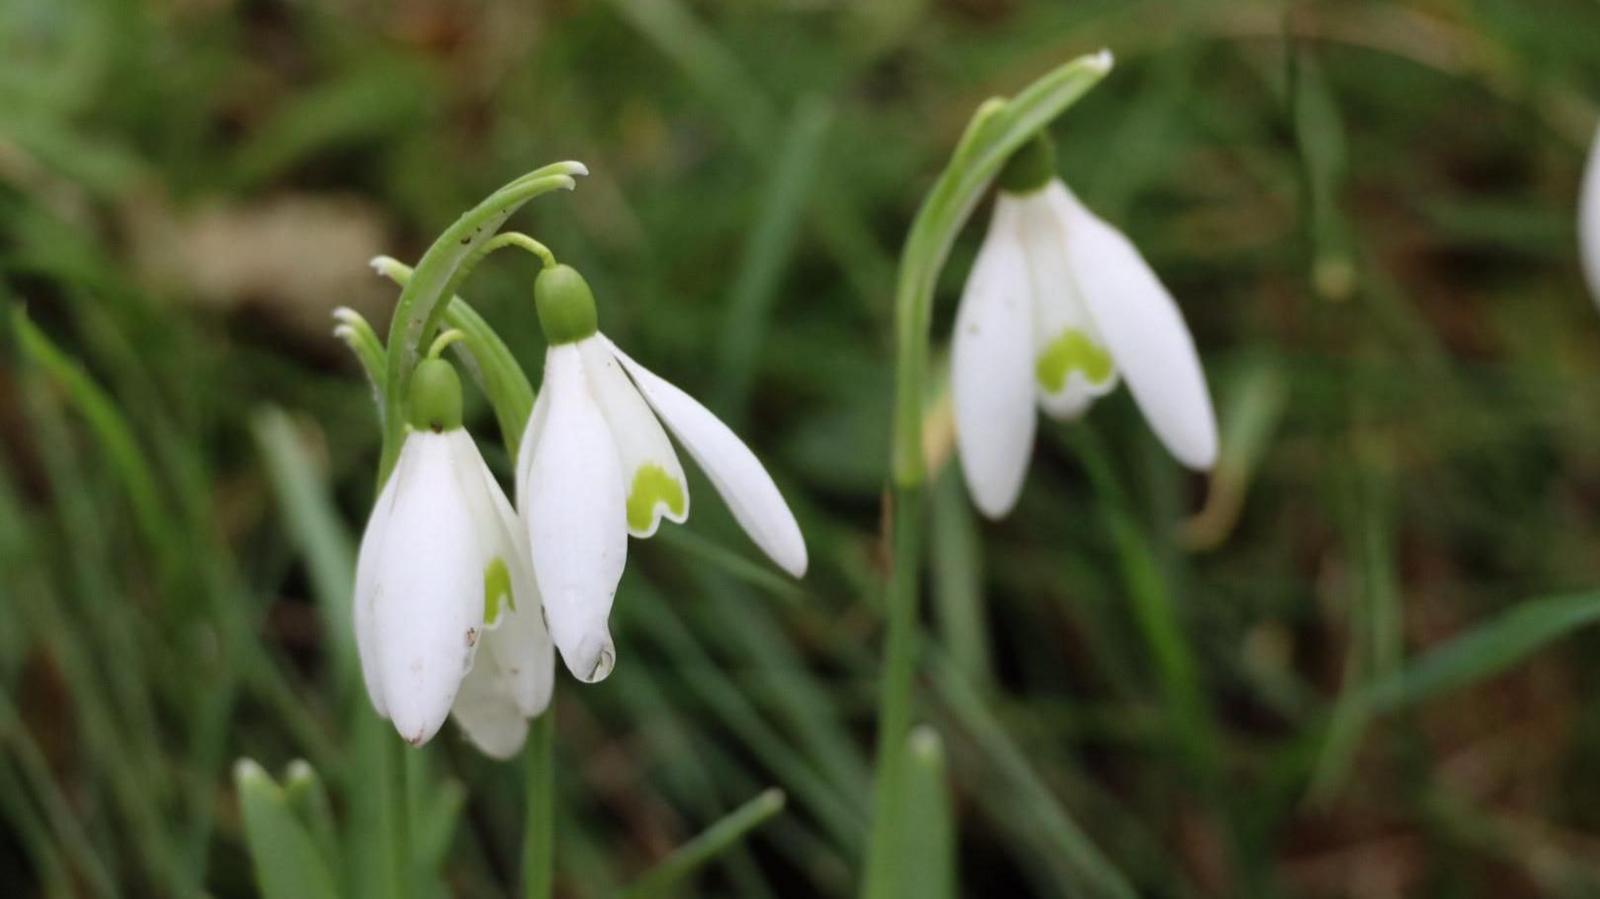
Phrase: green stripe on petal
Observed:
(1072, 351)
(497, 595)
(651, 485)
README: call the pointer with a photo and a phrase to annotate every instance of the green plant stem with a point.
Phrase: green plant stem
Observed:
(538, 838)
(894, 698)
(399, 816)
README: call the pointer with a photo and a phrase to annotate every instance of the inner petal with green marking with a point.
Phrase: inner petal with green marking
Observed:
(496, 591)
(652, 485)
(1073, 351)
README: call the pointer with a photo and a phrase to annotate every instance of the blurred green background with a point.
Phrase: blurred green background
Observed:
(1365, 209)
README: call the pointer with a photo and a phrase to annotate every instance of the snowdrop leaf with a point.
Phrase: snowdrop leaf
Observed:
(287, 863)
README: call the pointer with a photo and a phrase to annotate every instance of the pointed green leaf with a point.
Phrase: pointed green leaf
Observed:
(287, 863)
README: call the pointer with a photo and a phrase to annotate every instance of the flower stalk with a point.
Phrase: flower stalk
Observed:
(538, 837)
(424, 298)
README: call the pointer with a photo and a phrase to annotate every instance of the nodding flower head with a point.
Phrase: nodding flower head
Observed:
(595, 466)
(1058, 309)
(447, 613)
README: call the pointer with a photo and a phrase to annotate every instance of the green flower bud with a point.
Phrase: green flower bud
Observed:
(566, 305)
(435, 401)
(1031, 167)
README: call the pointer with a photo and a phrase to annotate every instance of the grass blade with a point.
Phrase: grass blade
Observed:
(691, 856)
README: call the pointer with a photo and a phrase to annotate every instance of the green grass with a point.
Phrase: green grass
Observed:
(1364, 669)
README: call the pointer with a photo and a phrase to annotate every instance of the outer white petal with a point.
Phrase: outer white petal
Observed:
(427, 605)
(512, 674)
(991, 368)
(1072, 365)
(1146, 333)
(366, 593)
(510, 681)
(573, 505)
(515, 627)
(650, 470)
(732, 468)
(530, 439)
(1589, 220)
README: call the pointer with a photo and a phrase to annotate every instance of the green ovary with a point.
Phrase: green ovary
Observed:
(1072, 351)
(651, 485)
(496, 590)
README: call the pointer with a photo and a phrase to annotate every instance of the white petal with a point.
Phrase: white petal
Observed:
(573, 505)
(488, 715)
(510, 681)
(366, 593)
(530, 439)
(427, 601)
(1072, 365)
(1146, 333)
(1589, 220)
(650, 470)
(991, 369)
(514, 624)
(732, 468)
(512, 674)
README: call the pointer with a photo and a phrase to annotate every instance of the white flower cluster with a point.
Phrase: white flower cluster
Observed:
(458, 596)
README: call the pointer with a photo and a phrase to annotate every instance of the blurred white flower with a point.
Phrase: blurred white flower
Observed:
(1589, 220)
(447, 615)
(1058, 306)
(595, 466)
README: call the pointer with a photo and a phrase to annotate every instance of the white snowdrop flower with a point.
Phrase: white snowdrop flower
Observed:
(1589, 220)
(1060, 306)
(596, 466)
(447, 615)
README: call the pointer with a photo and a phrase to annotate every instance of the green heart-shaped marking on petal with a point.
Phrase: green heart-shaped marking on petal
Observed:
(1072, 351)
(651, 485)
(497, 594)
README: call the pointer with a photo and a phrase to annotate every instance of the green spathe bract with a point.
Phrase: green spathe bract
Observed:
(435, 401)
(1073, 351)
(566, 305)
(652, 485)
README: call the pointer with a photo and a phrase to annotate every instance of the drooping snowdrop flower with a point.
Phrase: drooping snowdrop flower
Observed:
(1058, 307)
(447, 616)
(596, 466)
(1589, 220)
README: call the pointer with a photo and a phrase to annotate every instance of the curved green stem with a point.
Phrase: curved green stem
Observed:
(998, 129)
(522, 242)
(443, 341)
(487, 359)
(422, 301)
